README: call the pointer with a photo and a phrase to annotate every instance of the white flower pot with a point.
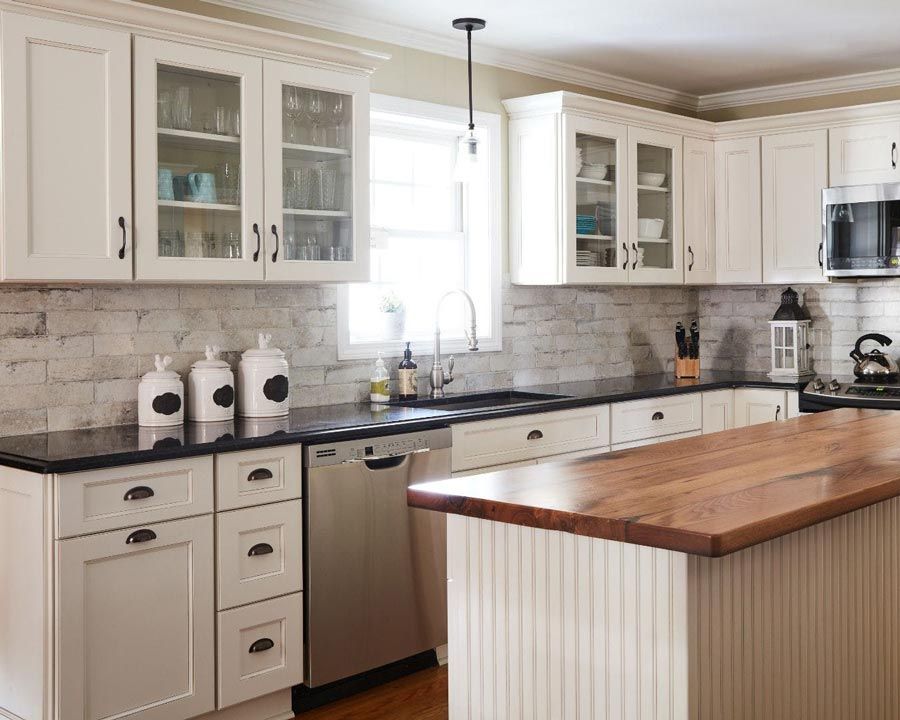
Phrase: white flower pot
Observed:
(392, 325)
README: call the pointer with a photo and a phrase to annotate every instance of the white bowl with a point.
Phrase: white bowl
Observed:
(651, 179)
(594, 172)
(650, 228)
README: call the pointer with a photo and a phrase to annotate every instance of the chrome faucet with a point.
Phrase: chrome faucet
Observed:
(438, 377)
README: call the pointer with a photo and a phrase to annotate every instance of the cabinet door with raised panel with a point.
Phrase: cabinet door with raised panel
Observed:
(864, 154)
(655, 205)
(317, 174)
(198, 163)
(66, 151)
(794, 174)
(738, 212)
(135, 623)
(753, 406)
(699, 212)
(718, 410)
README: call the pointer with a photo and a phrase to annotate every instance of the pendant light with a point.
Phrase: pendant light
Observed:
(467, 150)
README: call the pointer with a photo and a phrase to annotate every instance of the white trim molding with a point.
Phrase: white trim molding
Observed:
(310, 12)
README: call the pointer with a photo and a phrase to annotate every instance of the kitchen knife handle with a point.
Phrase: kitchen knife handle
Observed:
(691, 263)
(634, 262)
(258, 242)
(625, 264)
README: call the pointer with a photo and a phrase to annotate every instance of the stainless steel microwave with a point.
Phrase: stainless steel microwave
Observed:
(861, 230)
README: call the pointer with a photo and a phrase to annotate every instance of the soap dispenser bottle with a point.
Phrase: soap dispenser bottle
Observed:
(380, 384)
(407, 381)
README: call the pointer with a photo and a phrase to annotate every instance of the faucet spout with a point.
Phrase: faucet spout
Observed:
(438, 377)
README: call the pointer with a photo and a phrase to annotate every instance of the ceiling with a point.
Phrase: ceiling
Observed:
(695, 48)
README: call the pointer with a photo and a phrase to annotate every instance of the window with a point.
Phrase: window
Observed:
(429, 234)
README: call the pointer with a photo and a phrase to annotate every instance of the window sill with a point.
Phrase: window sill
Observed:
(420, 349)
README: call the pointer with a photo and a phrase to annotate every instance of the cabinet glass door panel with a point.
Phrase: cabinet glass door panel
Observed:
(596, 230)
(655, 210)
(198, 170)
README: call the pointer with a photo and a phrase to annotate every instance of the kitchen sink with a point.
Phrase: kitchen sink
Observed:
(475, 401)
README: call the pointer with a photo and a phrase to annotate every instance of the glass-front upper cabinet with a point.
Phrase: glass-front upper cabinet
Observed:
(655, 247)
(595, 219)
(198, 163)
(316, 167)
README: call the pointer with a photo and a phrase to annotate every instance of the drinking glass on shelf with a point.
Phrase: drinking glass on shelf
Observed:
(168, 243)
(310, 249)
(336, 114)
(221, 126)
(164, 107)
(326, 180)
(315, 111)
(292, 111)
(228, 182)
(182, 110)
(231, 245)
(234, 122)
(209, 245)
(290, 246)
(193, 244)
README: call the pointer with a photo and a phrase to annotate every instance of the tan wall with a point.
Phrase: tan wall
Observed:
(786, 107)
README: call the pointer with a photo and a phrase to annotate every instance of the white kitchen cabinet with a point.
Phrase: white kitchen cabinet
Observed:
(136, 616)
(316, 174)
(753, 406)
(864, 154)
(655, 196)
(654, 440)
(699, 212)
(66, 171)
(794, 174)
(738, 212)
(493, 468)
(718, 410)
(655, 417)
(198, 185)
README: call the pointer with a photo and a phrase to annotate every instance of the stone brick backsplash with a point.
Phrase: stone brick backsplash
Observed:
(735, 330)
(71, 357)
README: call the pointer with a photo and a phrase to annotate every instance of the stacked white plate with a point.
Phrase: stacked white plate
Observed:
(585, 258)
(579, 160)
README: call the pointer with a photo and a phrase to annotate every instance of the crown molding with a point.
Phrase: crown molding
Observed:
(308, 12)
(799, 90)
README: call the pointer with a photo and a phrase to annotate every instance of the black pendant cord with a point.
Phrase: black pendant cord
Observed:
(469, 39)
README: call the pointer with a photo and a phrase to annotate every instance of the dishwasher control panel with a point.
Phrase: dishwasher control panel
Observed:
(372, 448)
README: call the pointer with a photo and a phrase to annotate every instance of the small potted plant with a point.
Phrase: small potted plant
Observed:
(393, 315)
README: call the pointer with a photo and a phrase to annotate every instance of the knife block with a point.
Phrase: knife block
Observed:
(687, 367)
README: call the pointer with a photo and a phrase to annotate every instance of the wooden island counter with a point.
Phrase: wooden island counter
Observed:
(748, 574)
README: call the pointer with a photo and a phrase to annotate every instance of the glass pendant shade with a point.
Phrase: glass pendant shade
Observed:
(466, 157)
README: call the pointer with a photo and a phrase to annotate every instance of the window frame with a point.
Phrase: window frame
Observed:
(490, 124)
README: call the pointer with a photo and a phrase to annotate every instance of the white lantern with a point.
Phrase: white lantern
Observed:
(790, 338)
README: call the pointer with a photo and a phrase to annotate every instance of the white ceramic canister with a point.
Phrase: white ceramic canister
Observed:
(263, 383)
(210, 389)
(161, 396)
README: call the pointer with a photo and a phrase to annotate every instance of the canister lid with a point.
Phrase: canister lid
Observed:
(263, 351)
(212, 361)
(161, 372)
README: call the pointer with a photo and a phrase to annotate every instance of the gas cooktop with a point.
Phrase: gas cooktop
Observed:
(849, 392)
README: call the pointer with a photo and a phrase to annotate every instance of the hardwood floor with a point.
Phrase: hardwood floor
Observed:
(420, 696)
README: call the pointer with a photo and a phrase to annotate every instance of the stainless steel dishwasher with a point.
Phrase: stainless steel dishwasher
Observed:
(376, 569)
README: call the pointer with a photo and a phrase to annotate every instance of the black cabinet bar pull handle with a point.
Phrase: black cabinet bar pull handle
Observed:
(139, 536)
(258, 242)
(657, 416)
(262, 645)
(634, 262)
(894, 155)
(275, 233)
(260, 474)
(142, 492)
(260, 549)
(122, 249)
(625, 264)
(691, 263)
(535, 435)
(821, 264)
(777, 412)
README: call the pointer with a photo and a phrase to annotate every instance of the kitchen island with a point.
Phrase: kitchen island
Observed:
(752, 573)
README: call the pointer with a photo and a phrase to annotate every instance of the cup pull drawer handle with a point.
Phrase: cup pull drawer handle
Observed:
(657, 416)
(535, 435)
(260, 549)
(262, 645)
(140, 536)
(142, 492)
(260, 474)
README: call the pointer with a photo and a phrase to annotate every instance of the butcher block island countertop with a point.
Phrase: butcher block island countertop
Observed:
(709, 495)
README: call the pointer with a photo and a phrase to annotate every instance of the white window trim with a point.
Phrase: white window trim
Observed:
(490, 123)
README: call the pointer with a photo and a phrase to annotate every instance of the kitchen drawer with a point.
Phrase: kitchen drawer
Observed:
(655, 417)
(655, 440)
(257, 477)
(260, 649)
(497, 442)
(113, 498)
(493, 468)
(259, 554)
(576, 455)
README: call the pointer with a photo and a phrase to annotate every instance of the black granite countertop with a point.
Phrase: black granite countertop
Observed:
(74, 450)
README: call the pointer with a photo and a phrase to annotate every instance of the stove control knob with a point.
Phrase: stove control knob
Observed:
(818, 384)
(834, 386)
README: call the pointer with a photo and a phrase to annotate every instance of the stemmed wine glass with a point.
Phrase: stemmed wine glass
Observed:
(315, 111)
(336, 113)
(292, 110)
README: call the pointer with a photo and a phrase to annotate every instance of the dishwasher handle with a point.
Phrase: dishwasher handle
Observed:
(383, 462)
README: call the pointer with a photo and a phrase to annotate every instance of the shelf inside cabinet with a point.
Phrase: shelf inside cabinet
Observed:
(199, 140)
(315, 152)
(591, 181)
(657, 241)
(581, 236)
(317, 213)
(198, 206)
(652, 188)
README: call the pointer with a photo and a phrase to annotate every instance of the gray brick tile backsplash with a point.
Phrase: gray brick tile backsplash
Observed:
(71, 357)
